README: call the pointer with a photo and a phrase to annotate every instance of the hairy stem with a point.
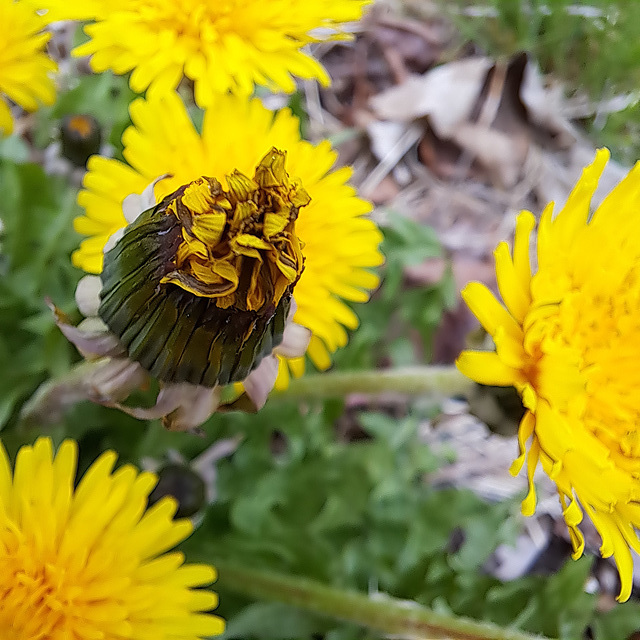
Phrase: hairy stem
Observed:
(403, 618)
(436, 380)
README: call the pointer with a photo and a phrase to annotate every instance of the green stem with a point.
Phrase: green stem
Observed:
(382, 613)
(438, 380)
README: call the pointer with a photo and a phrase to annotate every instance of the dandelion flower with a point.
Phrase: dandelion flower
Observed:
(338, 243)
(196, 292)
(89, 561)
(24, 66)
(568, 338)
(199, 288)
(221, 46)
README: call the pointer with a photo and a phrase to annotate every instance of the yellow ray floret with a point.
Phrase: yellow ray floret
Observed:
(89, 561)
(25, 67)
(338, 242)
(221, 46)
(568, 338)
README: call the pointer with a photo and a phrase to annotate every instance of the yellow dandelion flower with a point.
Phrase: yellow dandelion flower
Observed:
(569, 341)
(339, 244)
(89, 562)
(24, 65)
(221, 46)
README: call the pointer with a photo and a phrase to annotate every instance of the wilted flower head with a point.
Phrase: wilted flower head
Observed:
(198, 288)
(337, 241)
(196, 292)
(24, 65)
(92, 561)
(221, 46)
(569, 341)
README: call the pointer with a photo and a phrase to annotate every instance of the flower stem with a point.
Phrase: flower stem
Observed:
(438, 380)
(383, 613)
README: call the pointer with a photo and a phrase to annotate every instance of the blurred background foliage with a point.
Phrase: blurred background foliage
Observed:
(593, 47)
(318, 489)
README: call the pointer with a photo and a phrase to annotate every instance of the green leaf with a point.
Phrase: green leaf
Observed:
(274, 621)
(409, 242)
(14, 149)
(620, 622)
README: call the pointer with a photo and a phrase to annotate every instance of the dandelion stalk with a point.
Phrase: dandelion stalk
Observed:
(436, 380)
(382, 613)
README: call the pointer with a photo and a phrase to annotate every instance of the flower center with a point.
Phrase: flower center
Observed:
(195, 20)
(35, 598)
(585, 352)
(239, 246)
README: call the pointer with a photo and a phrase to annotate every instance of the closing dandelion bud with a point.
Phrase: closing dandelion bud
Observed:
(81, 137)
(199, 287)
(184, 485)
(196, 291)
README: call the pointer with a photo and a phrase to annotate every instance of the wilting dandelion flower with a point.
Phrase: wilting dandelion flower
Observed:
(196, 292)
(92, 561)
(198, 289)
(569, 341)
(337, 242)
(221, 46)
(25, 67)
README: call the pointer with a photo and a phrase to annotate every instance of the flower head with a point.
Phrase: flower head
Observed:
(199, 287)
(24, 65)
(569, 341)
(221, 46)
(89, 561)
(196, 291)
(337, 242)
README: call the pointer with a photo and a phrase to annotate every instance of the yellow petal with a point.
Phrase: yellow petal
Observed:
(488, 310)
(486, 367)
(6, 119)
(516, 297)
(208, 227)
